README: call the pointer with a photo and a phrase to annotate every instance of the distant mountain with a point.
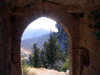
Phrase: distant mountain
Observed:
(29, 33)
(28, 43)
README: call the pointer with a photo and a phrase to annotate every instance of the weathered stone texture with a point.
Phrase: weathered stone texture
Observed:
(72, 15)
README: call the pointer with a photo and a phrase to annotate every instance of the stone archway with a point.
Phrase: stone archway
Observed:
(15, 15)
(21, 17)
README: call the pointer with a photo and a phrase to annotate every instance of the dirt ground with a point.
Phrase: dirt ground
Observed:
(43, 71)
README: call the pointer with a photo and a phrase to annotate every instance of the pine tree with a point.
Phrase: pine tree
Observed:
(43, 55)
(31, 60)
(52, 50)
(35, 57)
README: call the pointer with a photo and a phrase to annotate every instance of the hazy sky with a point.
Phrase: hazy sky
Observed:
(43, 23)
(39, 27)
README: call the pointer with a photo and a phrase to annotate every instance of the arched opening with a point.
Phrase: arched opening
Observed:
(51, 27)
(69, 21)
(75, 16)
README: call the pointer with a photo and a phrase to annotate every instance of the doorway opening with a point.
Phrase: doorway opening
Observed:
(44, 46)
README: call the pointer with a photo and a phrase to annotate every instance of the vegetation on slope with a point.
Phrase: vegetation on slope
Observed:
(53, 55)
(49, 56)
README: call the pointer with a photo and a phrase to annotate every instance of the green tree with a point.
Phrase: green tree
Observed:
(65, 66)
(43, 54)
(52, 50)
(35, 57)
(31, 60)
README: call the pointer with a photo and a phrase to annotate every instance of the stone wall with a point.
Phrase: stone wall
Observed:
(89, 42)
(84, 49)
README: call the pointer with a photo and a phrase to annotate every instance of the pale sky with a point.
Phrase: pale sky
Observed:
(43, 23)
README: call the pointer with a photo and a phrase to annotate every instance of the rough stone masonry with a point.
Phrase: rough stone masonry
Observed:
(72, 15)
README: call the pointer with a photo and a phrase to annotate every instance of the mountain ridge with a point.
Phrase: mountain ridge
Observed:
(28, 43)
(29, 33)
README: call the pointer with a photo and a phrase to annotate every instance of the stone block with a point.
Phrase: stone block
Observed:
(1, 38)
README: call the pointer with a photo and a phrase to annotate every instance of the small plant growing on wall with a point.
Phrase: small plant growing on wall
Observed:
(94, 16)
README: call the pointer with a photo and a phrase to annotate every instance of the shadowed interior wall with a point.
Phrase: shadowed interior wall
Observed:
(72, 15)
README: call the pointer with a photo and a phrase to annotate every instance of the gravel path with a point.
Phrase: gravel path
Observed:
(43, 71)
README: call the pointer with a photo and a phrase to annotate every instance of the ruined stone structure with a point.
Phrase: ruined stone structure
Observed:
(72, 15)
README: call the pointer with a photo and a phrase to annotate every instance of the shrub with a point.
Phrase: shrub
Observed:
(24, 66)
(65, 66)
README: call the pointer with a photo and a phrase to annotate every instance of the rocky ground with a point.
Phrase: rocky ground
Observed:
(25, 53)
(43, 71)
